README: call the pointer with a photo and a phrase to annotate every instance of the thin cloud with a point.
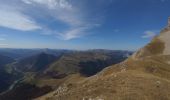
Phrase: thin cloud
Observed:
(66, 12)
(3, 44)
(3, 35)
(73, 33)
(2, 39)
(58, 10)
(13, 19)
(149, 34)
(52, 4)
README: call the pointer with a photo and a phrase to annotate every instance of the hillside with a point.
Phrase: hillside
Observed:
(143, 76)
(44, 72)
(5, 60)
(35, 63)
(78, 64)
(6, 78)
(16, 72)
(86, 63)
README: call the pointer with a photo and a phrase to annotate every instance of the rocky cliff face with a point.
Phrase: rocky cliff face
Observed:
(144, 76)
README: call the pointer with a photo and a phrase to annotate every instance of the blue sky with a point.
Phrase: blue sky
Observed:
(81, 24)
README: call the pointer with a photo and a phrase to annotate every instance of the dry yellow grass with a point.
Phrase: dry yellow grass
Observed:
(144, 76)
(129, 80)
(130, 85)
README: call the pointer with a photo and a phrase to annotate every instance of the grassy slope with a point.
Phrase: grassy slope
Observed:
(85, 62)
(37, 81)
(144, 76)
(134, 81)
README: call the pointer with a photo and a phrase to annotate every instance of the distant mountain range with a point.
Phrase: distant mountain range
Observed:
(35, 63)
(143, 76)
(87, 63)
(37, 72)
(24, 53)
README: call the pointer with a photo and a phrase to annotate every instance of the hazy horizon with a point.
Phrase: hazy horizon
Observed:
(67, 49)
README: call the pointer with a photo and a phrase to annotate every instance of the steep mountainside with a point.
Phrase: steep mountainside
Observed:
(82, 64)
(6, 78)
(144, 76)
(86, 63)
(14, 73)
(35, 63)
(5, 60)
(44, 72)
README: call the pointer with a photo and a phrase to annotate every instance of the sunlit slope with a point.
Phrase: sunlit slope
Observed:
(144, 76)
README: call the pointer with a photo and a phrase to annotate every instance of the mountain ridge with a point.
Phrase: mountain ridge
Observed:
(44, 72)
(143, 76)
